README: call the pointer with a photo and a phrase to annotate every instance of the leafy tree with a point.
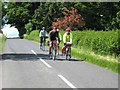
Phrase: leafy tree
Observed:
(98, 15)
(71, 18)
(116, 21)
(28, 27)
(19, 14)
(46, 13)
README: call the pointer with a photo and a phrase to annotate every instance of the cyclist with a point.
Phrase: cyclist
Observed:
(53, 36)
(67, 39)
(43, 35)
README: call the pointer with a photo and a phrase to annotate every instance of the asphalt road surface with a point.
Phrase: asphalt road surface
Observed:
(24, 65)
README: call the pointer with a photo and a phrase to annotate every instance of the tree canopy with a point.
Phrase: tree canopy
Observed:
(96, 15)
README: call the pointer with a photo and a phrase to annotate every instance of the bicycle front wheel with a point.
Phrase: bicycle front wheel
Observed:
(54, 54)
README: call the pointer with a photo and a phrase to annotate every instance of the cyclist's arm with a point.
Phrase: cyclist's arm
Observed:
(49, 36)
(46, 34)
(40, 34)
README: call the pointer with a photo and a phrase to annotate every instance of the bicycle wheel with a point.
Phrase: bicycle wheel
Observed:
(43, 47)
(68, 53)
(53, 53)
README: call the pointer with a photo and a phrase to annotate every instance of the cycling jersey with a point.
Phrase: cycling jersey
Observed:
(43, 33)
(67, 37)
(53, 35)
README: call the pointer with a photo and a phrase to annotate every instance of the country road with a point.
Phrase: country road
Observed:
(24, 65)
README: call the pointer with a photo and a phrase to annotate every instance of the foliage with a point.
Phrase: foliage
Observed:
(97, 15)
(18, 14)
(46, 13)
(34, 35)
(116, 21)
(71, 18)
(103, 42)
(2, 42)
(28, 27)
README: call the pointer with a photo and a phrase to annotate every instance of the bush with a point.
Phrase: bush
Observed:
(34, 35)
(103, 42)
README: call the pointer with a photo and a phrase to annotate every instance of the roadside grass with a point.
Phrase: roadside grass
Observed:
(34, 35)
(2, 43)
(110, 62)
(105, 61)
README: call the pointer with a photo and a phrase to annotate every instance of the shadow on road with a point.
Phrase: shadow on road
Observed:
(72, 59)
(23, 57)
(31, 57)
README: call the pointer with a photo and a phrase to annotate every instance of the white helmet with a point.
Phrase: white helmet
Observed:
(58, 30)
(43, 27)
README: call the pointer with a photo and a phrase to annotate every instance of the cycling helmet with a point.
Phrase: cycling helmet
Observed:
(68, 29)
(54, 28)
(43, 27)
(58, 30)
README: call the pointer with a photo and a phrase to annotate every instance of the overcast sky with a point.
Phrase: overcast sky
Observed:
(10, 32)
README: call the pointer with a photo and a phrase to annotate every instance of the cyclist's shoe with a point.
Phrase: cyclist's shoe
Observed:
(50, 53)
(40, 46)
(50, 57)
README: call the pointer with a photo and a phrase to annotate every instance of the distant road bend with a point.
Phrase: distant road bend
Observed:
(24, 65)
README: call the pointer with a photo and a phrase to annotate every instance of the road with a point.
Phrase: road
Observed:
(24, 65)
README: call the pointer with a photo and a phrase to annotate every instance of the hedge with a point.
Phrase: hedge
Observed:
(103, 42)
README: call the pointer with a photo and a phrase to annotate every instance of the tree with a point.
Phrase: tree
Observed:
(71, 18)
(116, 21)
(46, 13)
(28, 27)
(18, 14)
(98, 15)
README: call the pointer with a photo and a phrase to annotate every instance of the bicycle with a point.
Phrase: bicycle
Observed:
(43, 44)
(68, 51)
(54, 50)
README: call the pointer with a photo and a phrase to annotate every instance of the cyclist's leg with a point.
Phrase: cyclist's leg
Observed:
(41, 39)
(58, 48)
(44, 40)
(70, 51)
(63, 49)
(50, 47)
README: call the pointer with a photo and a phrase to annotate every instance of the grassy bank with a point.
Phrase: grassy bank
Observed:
(90, 47)
(2, 43)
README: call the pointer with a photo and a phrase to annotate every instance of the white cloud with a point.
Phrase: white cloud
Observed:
(10, 32)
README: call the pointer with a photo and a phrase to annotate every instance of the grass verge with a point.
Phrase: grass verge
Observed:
(107, 62)
(2, 43)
